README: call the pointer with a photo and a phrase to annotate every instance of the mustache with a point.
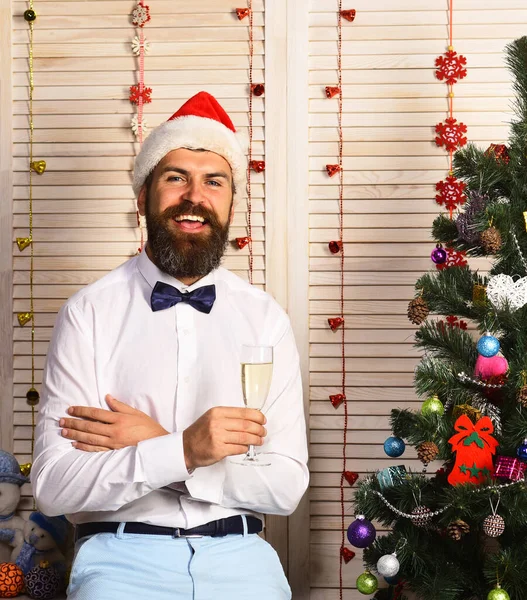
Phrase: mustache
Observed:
(189, 208)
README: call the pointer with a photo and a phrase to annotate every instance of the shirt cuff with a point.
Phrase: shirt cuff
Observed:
(160, 461)
(206, 483)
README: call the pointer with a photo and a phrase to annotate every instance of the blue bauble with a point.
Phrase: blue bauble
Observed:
(521, 452)
(394, 446)
(361, 533)
(488, 346)
(392, 580)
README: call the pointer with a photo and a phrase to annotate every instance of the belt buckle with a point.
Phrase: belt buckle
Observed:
(178, 534)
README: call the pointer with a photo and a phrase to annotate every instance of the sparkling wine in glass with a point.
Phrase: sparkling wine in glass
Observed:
(257, 372)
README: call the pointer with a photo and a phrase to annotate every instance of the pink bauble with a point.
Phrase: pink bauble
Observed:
(492, 366)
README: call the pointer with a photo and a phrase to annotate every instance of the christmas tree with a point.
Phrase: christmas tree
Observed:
(460, 532)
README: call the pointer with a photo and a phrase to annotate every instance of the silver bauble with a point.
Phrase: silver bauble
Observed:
(388, 565)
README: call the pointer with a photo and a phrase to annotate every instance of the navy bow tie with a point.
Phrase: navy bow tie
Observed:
(165, 296)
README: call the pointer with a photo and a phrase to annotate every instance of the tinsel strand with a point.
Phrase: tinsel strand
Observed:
(249, 191)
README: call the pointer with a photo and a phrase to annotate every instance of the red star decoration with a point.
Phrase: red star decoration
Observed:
(451, 134)
(347, 554)
(332, 169)
(335, 323)
(351, 477)
(451, 193)
(241, 242)
(499, 151)
(349, 15)
(331, 92)
(136, 94)
(257, 165)
(451, 67)
(454, 259)
(258, 89)
(337, 400)
(242, 13)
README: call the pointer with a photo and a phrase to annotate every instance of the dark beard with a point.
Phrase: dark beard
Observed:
(185, 255)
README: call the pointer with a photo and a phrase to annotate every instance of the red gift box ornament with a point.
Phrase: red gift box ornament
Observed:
(349, 15)
(257, 165)
(242, 242)
(337, 400)
(508, 467)
(499, 151)
(347, 554)
(258, 89)
(474, 446)
(242, 13)
(335, 246)
(331, 92)
(335, 323)
(332, 169)
(351, 477)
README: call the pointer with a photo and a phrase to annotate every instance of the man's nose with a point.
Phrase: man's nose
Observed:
(193, 192)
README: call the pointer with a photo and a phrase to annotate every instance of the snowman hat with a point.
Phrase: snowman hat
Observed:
(10, 469)
(201, 123)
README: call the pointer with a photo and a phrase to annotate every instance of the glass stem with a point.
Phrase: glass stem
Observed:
(251, 454)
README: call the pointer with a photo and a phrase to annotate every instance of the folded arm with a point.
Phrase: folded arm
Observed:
(67, 480)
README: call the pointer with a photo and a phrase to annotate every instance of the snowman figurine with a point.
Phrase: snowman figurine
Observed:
(11, 480)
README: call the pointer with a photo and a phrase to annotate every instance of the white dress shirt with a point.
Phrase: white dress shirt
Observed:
(174, 365)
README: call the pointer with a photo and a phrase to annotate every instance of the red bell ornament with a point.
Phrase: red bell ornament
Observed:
(331, 92)
(335, 323)
(332, 169)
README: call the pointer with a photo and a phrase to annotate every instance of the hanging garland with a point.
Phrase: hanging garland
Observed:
(450, 134)
(336, 323)
(39, 167)
(139, 94)
(255, 89)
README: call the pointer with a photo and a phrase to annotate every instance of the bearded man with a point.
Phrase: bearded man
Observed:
(142, 403)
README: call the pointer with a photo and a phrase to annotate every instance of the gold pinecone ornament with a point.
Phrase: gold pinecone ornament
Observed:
(522, 396)
(418, 310)
(490, 240)
(427, 452)
(457, 529)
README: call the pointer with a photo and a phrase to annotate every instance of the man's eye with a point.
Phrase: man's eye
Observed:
(174, 178)
(215, 183)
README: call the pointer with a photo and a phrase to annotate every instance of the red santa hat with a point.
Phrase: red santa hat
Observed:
(200, 123)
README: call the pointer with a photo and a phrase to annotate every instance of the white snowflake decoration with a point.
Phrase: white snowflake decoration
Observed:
(136, 126)
(136, 46)
(140, 15)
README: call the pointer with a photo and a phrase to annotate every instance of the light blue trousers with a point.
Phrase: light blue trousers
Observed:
(125, 566)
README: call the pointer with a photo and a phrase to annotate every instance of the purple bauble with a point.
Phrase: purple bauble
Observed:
(361, 533)
(438, 255)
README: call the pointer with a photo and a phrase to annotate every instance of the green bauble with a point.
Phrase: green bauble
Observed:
(30, 15)
(498, 594)
(367, 583)
(432, 406)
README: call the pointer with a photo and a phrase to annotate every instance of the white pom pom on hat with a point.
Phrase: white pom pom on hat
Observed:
(200, 123)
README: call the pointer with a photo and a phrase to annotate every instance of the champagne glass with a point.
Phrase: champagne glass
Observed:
(257, 372)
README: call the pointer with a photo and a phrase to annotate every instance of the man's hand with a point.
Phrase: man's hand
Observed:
(99, 430)
(222, 431)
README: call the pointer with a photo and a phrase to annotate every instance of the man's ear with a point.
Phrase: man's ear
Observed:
(231, 216)
(141, 201)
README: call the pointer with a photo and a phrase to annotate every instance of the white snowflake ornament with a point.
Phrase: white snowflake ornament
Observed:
(140, 15)
(136, 46)
(136, 126)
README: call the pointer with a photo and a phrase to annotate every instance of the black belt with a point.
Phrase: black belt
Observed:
(218, 528)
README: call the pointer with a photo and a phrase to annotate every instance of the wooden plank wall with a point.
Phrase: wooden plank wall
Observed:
(392, 101)
(84, 209)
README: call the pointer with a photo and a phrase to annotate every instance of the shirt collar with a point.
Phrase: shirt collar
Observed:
(153, 274)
